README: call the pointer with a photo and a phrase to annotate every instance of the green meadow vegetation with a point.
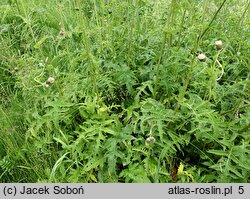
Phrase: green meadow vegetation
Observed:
(147, 91)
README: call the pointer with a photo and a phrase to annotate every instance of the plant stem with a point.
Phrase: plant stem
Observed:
(214, 17)
(243, 15)
(168, 26)
(92, 65)
(182, 94)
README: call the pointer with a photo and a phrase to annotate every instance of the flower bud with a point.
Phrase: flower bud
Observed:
(218, 44)
(202, 57)
(150, 140)
(62, 33)
(50, 80)
(46, 85)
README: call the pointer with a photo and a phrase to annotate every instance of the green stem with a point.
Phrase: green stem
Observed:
(212, 77)
(243, 15)
(168, 26)
(186, 83)
(92, 66)
(181, 28)
(214, 17)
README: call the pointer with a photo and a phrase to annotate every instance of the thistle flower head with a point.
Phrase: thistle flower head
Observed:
(62, 33)
(218, 44)
(45, 85)
(202, 57)
(50, 80)
(150, 140)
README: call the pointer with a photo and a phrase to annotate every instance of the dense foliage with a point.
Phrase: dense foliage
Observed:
(113, 91)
